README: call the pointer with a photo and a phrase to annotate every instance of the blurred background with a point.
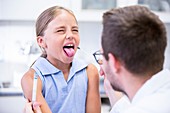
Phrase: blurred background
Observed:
(18, 47)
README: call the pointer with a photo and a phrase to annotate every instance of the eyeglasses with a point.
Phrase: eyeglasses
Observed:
(98, 55)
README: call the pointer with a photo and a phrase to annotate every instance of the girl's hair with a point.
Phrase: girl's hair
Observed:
(45, 18)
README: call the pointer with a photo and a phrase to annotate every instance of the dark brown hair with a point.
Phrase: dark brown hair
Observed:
(136, 36)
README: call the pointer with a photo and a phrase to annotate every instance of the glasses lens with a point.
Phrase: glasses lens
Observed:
(99, 57)
(100, 61)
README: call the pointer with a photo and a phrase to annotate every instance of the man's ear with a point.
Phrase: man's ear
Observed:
(41, 42)
(114, 62)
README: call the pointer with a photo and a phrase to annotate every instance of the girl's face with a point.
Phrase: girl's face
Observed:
(61, 38)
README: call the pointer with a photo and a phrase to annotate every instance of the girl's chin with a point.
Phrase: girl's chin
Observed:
(69, 60)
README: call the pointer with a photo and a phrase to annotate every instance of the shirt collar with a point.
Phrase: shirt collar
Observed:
(47, 68)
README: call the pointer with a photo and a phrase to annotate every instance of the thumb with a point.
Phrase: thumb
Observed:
(36, 107)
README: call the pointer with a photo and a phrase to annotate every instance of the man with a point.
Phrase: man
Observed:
(133, 45)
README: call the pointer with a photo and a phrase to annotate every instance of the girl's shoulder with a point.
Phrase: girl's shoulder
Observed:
(92, 71)
(29, 74)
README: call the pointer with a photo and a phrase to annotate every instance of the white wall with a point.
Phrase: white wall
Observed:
(167, 51)
(14, 35)
(13, 32)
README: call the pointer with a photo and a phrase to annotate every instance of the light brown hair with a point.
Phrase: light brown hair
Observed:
(45, 18)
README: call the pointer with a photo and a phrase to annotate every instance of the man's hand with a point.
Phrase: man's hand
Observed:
(113, 95)
(28, 107)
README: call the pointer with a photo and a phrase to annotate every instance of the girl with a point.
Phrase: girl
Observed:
(65, 84)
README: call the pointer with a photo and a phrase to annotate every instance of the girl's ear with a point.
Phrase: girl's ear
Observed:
(114, 62)
(41, 42)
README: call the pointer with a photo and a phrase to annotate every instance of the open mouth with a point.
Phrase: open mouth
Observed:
(69, 50)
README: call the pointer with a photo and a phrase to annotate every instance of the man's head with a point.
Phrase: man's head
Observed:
(136, 37)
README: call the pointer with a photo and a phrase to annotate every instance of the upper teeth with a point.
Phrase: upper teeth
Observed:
(69, 45)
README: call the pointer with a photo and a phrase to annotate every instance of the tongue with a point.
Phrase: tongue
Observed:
(69, 51)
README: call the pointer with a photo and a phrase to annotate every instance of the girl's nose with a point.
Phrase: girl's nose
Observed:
(69, 35)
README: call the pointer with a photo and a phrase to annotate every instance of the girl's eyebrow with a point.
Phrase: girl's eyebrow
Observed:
(59, 27)
(75, 27)
(62, 27)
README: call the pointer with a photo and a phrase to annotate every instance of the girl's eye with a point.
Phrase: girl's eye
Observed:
(75, 30)
(60, 31)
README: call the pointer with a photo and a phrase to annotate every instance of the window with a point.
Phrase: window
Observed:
(156, 5)
(98, 4)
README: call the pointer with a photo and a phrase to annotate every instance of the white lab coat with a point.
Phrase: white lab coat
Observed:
(152, 97)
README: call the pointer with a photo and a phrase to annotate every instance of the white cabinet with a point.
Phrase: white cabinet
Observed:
(164, 16)
(92, 10)
(159, 7)
(0, 9)
(12, 104)
(26, 9)
(84, 10)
